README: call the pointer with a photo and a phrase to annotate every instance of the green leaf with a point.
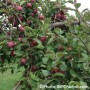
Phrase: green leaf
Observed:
(32, 82)
(60, 54)
(45, 60)
(19, 53)
(78, 5)
(50, 54)
(32, 76)
(22, 2)
(49, 64)
(58, 74)
(63, 66)
(50, 41)
(45, 72)
(38, 41)
(40, 46)
(88, 46)
(86, 66)
(69, 1)
(0, 47)
(85, 55)
(74, 83)
(73, 73)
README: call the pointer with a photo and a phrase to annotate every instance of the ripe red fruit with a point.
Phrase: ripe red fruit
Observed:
(12, 53)
(34, 42)
(55, 70)
(29, 5)
(63, 72)
(41, 17)
(34, 68)
(69, 57)
(32, 14)
(62, 12)
(43, 39)
(63, 17)
(29, 21)
(11, 44)
(32, 1)
(23, 60)
(69, 49)
(2, 58)
(9, 33)
(21, 17)
(60, 48)
(19, 8)
(10, 18)
(21, 28)
(15, 23)
(20, 39)
(58, 16)
(35, 11)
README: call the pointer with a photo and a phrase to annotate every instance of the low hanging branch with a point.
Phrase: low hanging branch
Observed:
(17, 86)
(57, 24)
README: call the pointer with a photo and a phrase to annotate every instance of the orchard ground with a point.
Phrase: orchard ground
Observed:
(7, 82)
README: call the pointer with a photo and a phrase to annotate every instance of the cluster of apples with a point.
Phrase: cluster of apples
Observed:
(33, 43)
(29, 18)
(22, 16)
(59, 16)
(69, 49)
(27, 13)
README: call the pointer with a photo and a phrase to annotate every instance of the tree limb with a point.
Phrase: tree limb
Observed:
(56, 24)
(17, 85)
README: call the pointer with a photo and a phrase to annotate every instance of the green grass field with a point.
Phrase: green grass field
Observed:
(8, 80)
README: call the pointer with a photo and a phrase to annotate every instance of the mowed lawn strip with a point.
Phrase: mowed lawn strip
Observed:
(8, 80)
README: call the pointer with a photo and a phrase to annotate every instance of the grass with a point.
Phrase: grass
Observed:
(8, 80)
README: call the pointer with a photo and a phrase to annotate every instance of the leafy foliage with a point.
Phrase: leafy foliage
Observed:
(50, 56)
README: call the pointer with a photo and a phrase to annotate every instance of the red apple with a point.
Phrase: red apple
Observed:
(12, 53)
(34, 68)
(21, 28)
(29, 5)
(29, 21)
(58, 16)
(55, 70)
(19, 8)
(10, 18)
(2, 58)
(21, 17)
(43, 39)
(35, 11)
(9, 33)
(63, 72)
(15, 23)
(32, 1)
(69, 49)
(20, 39)
(32, 14)
(11, 44)
(60, 48)
(41, 17)
(63, 17)
(69, 57)
(34, 42)
(23, 60)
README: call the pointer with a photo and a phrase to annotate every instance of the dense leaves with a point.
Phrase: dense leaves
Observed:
(57, 56)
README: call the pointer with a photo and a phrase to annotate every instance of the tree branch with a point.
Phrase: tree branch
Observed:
(17, 86)
(56, 24)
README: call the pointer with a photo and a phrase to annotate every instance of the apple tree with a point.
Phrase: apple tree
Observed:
(52, 46)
